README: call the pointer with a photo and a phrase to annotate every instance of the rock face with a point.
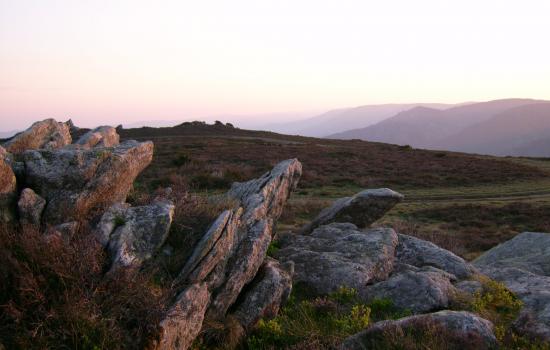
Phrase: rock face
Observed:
(523, 265)
(446, 329)
(75, 181)
(270, 289)
(30, 207)
(230, 255)
(103, 136)
(338, 255)
(134, 234)
(47, 134)
(8, 188)
(362, 209)
(417, 252)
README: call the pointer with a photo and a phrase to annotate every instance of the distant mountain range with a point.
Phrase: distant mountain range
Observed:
(501, 127)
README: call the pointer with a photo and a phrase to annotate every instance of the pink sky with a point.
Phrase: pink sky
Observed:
(112, 62)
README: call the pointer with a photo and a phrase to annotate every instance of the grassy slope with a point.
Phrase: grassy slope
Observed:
(463, 202)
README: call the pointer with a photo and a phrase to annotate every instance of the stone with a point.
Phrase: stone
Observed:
(103, 136)
(268, 291)
(417, 252)
(340, 254)
(47, 134)
(8, 188)
(183, 322)
(418, 290)
(134, 234)
(458, 330)
(74, 181)
(362, 209)
(30, 207)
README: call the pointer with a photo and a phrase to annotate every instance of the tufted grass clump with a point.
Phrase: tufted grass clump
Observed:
(321, 322)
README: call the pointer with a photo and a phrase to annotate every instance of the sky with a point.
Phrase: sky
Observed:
(122, 61)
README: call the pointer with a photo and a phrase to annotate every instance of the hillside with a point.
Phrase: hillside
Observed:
(429, 128)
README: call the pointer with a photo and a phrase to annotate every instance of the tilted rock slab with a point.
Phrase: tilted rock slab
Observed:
(103, 136)
(338, 255)
(362, 209)
(458, 330)
(523, 265)
(47, 134)
(134, 234)
(269, 290)
(8, 188)
(30, 207)
(75, 181)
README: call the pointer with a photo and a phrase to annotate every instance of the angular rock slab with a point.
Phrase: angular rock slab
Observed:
(269, 290)
(103, 136)
(8, 188)
(338, 255)
(134, 234)
(417, 252)
(75, 181)
(362, 209)
(458, 330)
(47, 134)
(30, 207)
(418, 290)
(523, 265)
(183, 321)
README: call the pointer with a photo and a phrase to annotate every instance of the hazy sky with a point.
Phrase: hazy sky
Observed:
(119, 61)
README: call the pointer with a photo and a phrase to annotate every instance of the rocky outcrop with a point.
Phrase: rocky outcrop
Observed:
(269, 290)
(523, 265)
(441, 330)
(338, 255)
(103, 136)
(134, 234)
(73, 181)
(8, 188)
(47, 134)
(417, 252)
(30, 207)
(417, 290)
(362, 209)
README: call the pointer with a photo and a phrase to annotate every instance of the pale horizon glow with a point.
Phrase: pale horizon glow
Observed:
(114, 62)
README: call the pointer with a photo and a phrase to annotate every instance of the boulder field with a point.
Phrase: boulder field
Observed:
(50, 182)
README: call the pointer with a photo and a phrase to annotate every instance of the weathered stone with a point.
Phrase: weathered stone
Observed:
(103, 136)
(523, 265)
(418, 290)
(417, 252)
(134, 234)
(30, 207)
(46, 134)
(457, 330)
(8, 188)
(268, 291)
(362, 209)
(338, 255)
(75, 181)
(183, 321)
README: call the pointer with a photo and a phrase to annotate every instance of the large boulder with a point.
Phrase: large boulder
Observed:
(134, 234)
(418, 290)
(441, 330)
(30, 207)
(75, 181)
(417, 252)
(8, 188)
(338, 255)
(47, 134)
(268, 291)
(523, 265)
(103, 136)
(362, 209)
